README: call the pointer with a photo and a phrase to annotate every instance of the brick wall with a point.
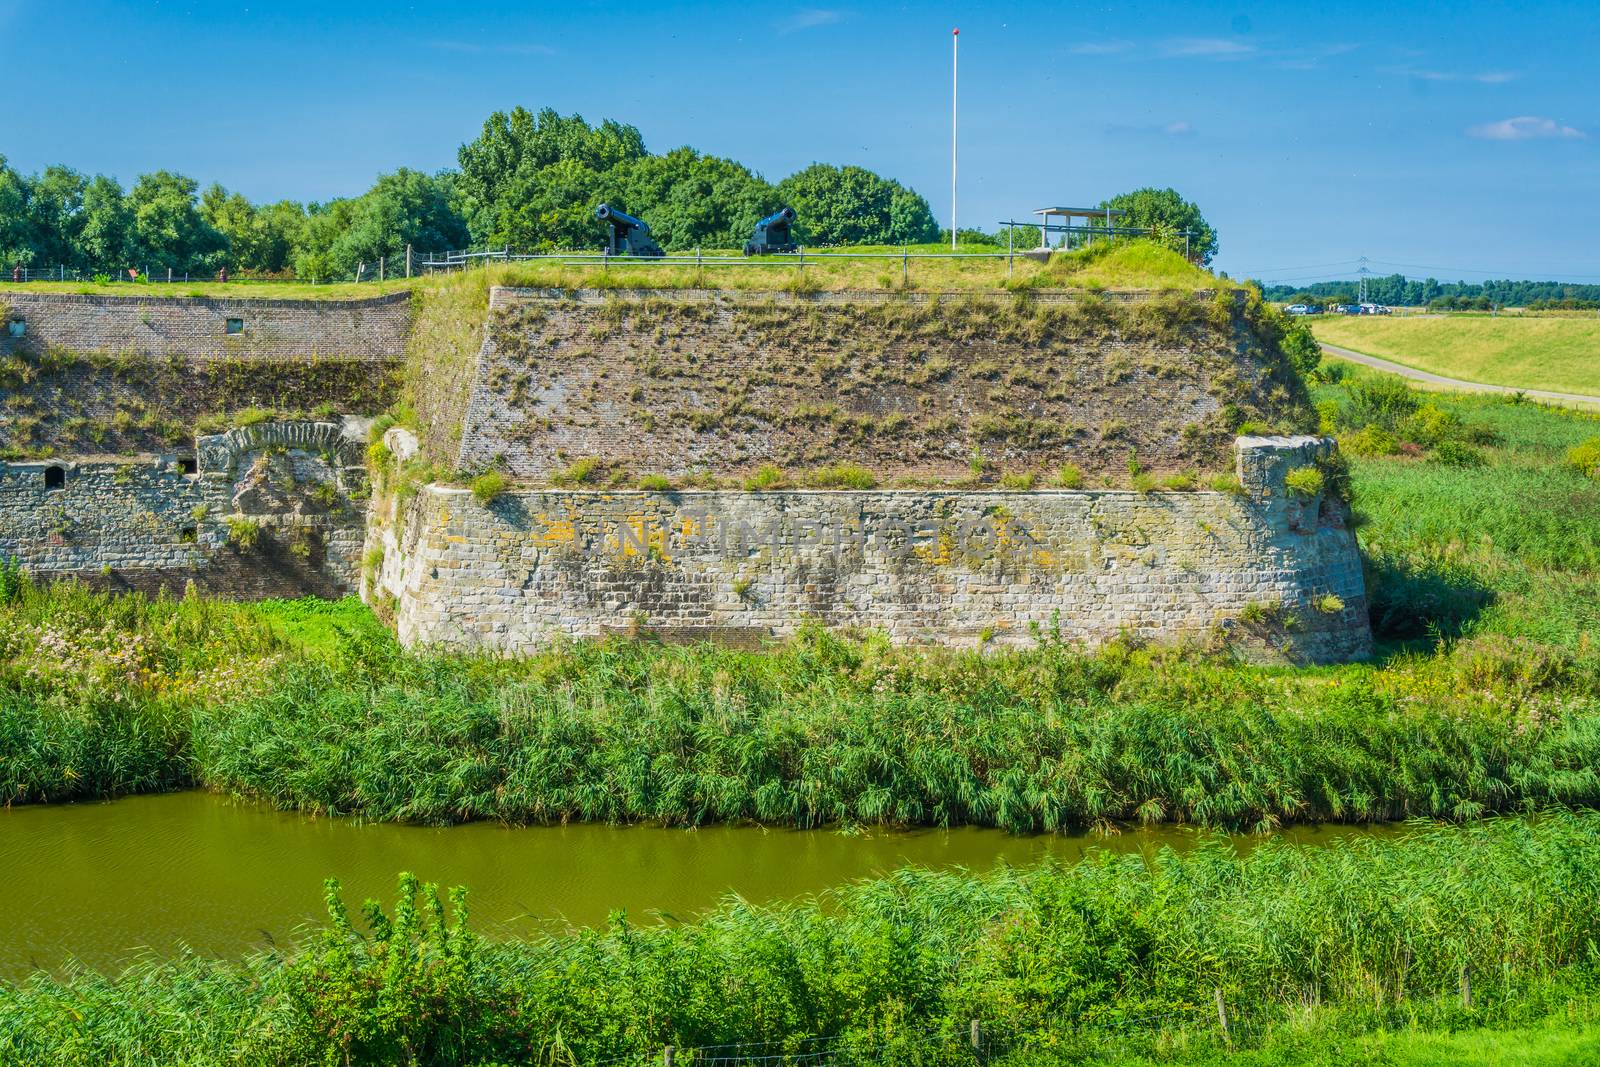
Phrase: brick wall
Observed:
(1262, 567)
(196, 327)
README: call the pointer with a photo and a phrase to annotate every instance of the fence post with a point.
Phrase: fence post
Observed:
(1466, 987)
(380, 268)
(1008, 251)
(666, 1057)
(977, 1038)
(905, 267)
(408, 261)
(1222, 1018)
(696, 257)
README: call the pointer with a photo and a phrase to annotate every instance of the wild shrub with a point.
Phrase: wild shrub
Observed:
(1457, 454)
(1305, 482)
(487, 486)
(1381, 400)
(767, 476)
(842, 476)
(1585, 458)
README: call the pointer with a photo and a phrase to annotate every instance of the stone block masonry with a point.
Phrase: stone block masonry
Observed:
(275, 509)
(1266, 565)
(207, 328)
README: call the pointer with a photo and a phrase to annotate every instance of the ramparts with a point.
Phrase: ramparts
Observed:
(197, 328)
(1263, 568)
(913, 387)
(275, 509)
(90, 375)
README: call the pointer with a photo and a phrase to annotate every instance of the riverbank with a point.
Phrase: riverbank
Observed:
(1483, 554)
(1314, 953)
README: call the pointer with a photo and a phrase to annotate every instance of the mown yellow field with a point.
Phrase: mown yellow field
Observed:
(1522, 351)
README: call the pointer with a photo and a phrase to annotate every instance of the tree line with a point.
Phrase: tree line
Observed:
(1399, 291)
(528, 181)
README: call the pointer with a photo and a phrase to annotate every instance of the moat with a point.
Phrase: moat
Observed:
(101, 883)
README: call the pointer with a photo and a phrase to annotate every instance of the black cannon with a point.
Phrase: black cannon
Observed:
(773, 234)
(629, 235)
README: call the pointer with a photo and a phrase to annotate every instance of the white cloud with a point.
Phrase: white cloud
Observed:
(1178, 129)
(809, 19)
(1206, 47)
(1100, 48)
(1487, 77)
(1525, 128)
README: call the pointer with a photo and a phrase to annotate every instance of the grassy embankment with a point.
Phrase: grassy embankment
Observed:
(1119, 265)
(1361, 953)
(1485, 583)
(1556, 352)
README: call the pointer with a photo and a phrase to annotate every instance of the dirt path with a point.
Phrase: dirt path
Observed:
(1454, 383)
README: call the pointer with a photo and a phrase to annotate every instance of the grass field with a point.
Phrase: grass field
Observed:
(1522, 351)
(1123, 265)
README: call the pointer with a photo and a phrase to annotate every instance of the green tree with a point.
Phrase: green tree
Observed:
(168, 230)
(527, 178)
(852, 206)
(407, 207)
(1168, 214)
(691, 200)
(56, 205)
(105, 236)
(16, 222)
(260, 238)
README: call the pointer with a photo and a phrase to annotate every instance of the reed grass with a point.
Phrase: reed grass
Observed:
(1306, 946)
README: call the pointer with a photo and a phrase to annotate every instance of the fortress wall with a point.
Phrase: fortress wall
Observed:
(196, 327)
(955, 568)
(908, 386)
(147, 524)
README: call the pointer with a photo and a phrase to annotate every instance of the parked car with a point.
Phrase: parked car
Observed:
(1346, 309)
(1297, 309)
(1374, 309)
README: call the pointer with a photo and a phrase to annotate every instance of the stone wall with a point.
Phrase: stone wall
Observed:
(160, 522)
(914, 388)
(113, 375)
(197, 327)
(1263, 566)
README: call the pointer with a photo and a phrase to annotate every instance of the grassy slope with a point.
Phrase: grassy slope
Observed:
(1523, 351)
(1127, 265)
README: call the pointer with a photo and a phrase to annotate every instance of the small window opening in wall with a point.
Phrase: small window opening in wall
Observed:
(236, 326)
(188, 465)
(55, 477)
(17, 326)
(189, 534)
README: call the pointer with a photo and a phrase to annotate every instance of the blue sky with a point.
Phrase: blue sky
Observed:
(1461, 140)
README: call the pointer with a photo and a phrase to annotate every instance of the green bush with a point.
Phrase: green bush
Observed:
(1370, 440)
(1585, 458)
(1457, 454)
(843, 476)
(1305, 482)
(580, 472)
(766, 476)
(487, 486)
(1382, 400)
(656, 483)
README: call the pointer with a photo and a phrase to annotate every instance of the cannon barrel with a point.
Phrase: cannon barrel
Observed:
(782, 215)
(619, 219)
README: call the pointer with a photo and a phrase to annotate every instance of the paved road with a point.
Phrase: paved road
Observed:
(1454, 383)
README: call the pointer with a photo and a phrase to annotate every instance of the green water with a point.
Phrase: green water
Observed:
(100, 883)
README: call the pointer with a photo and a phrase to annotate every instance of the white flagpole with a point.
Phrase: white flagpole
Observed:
(955, 49)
